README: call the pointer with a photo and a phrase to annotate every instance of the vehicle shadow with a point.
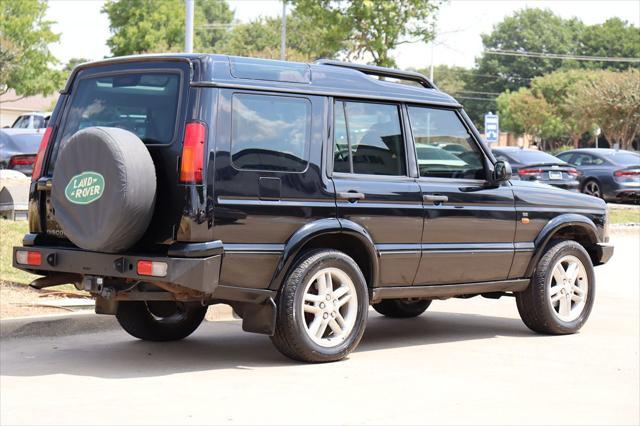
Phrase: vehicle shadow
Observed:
(223, 345)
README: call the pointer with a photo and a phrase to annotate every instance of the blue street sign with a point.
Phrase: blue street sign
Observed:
(491, 128)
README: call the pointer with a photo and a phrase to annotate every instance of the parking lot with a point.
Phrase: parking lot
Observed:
(464, 361)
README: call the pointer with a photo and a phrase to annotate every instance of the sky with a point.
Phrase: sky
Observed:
(84, 30)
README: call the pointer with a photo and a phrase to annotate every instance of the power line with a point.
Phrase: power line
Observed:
(560, 56)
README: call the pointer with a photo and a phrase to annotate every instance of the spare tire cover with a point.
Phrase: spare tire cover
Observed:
(104, 189)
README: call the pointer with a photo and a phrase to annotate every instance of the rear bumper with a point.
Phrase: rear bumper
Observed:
(195, 273)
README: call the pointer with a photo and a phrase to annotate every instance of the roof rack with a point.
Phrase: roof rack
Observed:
(381, 72)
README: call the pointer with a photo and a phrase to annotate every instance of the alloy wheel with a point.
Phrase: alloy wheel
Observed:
(329, 306)
(567, 288)
(592, 188)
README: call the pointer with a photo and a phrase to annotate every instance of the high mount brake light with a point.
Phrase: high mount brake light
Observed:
(193, 153)
(44, 143)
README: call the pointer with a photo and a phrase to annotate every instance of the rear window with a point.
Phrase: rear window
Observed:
(625, 158)
(533, 157)
(144, 103)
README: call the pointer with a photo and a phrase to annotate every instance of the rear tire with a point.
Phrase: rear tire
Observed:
(592, 187)
(322, 308)
(401, 308)
(560, 296)
(160, 321)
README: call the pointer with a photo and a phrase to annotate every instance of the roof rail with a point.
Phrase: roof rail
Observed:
(381, 72)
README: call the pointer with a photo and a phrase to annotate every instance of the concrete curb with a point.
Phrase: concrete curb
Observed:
(57, 325)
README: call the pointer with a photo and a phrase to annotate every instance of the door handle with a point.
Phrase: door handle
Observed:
(351, 196)
(436, 199)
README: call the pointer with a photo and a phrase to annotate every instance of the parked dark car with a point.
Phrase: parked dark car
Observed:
(538, 166)
(607, 173)
(297, 193)
(18, 149)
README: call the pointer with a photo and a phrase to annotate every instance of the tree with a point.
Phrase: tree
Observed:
(366, 28)
(611, 100)
(25, 59)
(74, 62)
(524, 112)
(141, 26)
(614, 38)
(449, 79)
(261, 38)
(540, 31)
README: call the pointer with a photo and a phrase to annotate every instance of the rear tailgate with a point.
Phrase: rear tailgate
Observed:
(149, 98)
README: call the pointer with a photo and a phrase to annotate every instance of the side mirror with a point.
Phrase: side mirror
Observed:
(501, 171)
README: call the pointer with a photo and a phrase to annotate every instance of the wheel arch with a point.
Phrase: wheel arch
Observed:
(569, 227)
(330, 233)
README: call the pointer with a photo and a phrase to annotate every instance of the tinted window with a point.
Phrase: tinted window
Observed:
(625, 158)
(565, 156)
(444, 146)
(527, 156)
(143, 103)
(22, 122)
(368, 139)
(270, 132)
(587, 160)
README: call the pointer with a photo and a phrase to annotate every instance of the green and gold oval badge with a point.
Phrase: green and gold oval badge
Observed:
(85, 188)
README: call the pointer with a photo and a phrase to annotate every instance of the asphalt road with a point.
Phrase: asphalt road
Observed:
(464, 361)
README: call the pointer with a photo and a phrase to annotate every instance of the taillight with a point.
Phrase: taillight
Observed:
(154, 269)
(37, 168)
(624, 173)
(21, 160)
(574, 172)
(529, 172)
(32, 258)
(193, 153)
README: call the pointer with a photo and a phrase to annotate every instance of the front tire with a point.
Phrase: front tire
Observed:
(560, 296)
(401, 308)
(322, 308)
(160, 321)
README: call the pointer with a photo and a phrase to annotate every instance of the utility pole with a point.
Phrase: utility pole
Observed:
(283, 32)
(433, 42)
(188, 27)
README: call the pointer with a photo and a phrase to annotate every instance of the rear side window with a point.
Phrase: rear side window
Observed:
(368, 139)
(270, 133)
(587, 160)
(143, 103)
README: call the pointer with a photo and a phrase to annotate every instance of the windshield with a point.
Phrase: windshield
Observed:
(533, 157)
(143, 103)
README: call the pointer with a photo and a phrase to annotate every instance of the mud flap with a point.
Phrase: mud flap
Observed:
(258, 318)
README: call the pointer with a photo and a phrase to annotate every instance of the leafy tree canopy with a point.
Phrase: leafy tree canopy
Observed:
(541, 31)
(261, 38)
(368, 28)
(25, 58)
(142, 26)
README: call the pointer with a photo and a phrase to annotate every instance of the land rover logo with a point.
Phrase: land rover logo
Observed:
(85, 188)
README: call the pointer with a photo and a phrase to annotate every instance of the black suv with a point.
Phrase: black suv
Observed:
(299, 194)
